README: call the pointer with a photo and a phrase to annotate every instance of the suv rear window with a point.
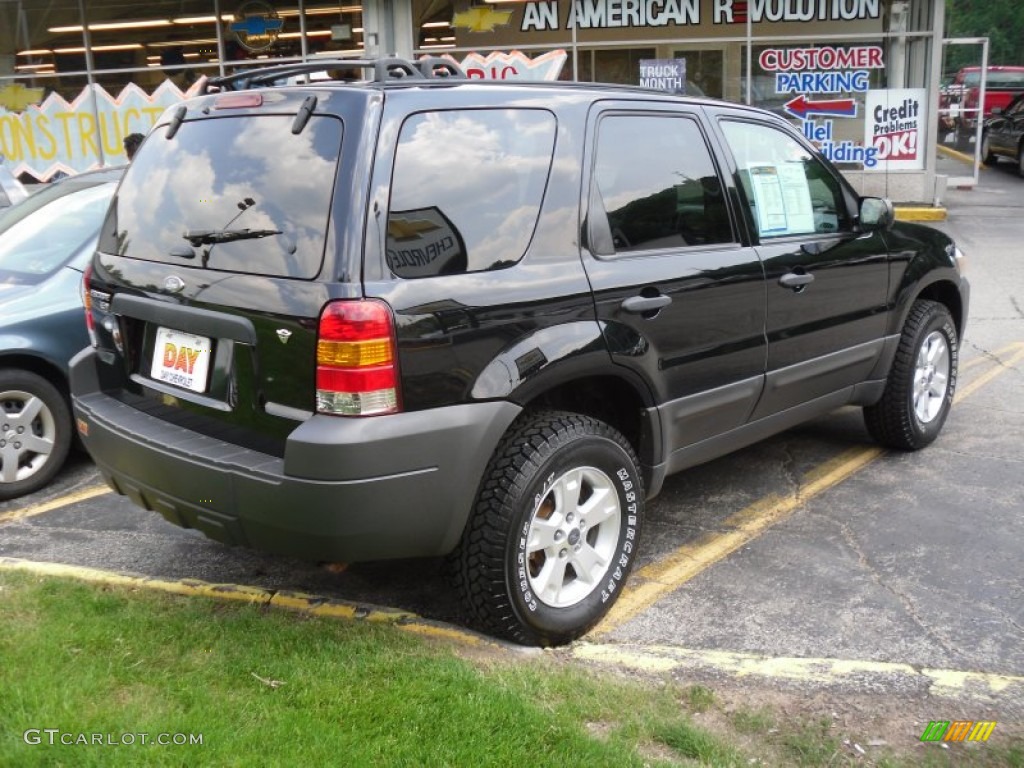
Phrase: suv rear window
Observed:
(467, 189)
(189, 200)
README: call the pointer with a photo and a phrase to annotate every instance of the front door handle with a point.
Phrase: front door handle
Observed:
(639, 305)
(796, 280)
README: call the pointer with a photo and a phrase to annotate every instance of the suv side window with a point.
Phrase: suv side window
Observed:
(467, 189)
(789, 191)
(657, 185)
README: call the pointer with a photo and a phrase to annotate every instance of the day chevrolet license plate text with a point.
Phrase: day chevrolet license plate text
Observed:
(181, 359)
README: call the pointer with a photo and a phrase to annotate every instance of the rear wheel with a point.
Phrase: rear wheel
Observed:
(1020, 159)
(35, 432)
(921, 383)
(963, 139)
(553, 535)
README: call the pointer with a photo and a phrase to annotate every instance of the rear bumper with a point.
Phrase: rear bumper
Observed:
(346, 490)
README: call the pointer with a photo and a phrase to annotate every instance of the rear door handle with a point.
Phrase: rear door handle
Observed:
(639, 305)
(796, 280)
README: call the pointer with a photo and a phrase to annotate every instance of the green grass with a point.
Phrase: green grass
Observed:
(812, 743)
(753, 721)
(270, 687)
(701, 698)
(690, 741)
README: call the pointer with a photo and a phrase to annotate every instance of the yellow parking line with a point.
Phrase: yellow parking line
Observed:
(653, 581)
(657, 579)
(660, 658)
(986, 377)
(988, 356)
(62, 501)
(99, 490)
(663, 576)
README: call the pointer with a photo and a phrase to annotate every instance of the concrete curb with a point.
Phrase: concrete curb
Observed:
(312, 605)
(920, 213)
(856, 673)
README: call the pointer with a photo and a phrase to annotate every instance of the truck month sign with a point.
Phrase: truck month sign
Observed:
(664, 74)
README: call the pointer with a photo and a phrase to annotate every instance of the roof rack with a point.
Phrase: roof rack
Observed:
(382, 70)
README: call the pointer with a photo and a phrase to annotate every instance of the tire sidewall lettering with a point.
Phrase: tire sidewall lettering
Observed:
(594, 453)
(944, 326)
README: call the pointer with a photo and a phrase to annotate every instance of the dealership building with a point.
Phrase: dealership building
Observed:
(860, 78)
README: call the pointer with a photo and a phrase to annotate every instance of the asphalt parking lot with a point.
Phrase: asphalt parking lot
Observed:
(811, 558)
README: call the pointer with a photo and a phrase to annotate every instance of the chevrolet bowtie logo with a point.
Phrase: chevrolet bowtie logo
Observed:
(481, 19)
(257, 25)
(15, 97)
(409, 229)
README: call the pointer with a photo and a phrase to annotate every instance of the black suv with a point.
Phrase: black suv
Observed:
(416, 315)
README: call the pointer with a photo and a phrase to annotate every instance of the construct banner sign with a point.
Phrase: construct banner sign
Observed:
(70, 137)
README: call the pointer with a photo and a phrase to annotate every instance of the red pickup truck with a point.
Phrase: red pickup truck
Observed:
(959, 105)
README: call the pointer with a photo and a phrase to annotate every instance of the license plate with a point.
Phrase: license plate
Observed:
(181, 359)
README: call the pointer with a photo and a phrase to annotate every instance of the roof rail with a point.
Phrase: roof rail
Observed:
(385, 69)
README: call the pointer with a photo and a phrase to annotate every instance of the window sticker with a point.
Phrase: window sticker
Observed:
(782, 199)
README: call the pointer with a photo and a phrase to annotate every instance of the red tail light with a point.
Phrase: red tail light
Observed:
(356, 360)
(87, 303)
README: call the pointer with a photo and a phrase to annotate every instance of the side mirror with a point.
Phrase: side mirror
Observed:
(876, 213)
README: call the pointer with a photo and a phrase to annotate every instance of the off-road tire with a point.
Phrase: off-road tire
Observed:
(896, 421)
(499, 567)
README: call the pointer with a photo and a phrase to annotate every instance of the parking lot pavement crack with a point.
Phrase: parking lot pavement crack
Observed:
(983, 351)
(1016, 306)
(976, 456)
(908, 605)
(997, 356)
(1016, 626)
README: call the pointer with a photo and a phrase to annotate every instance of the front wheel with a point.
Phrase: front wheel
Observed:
(922, 381)
(554, 532)
(988, 157)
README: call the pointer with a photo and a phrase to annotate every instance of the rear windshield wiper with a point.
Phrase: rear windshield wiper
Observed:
(199, 237)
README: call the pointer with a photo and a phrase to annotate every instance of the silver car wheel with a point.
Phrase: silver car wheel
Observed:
(573, 536)
(28, 433)
(931, 377)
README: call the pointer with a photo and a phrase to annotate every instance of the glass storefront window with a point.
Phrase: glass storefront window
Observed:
(822, 89)
(705, 69)
(43, 46)
(612, 65)
(178, 40)
(161, 48)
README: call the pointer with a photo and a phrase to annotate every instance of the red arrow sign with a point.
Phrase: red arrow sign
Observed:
(802, 107)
